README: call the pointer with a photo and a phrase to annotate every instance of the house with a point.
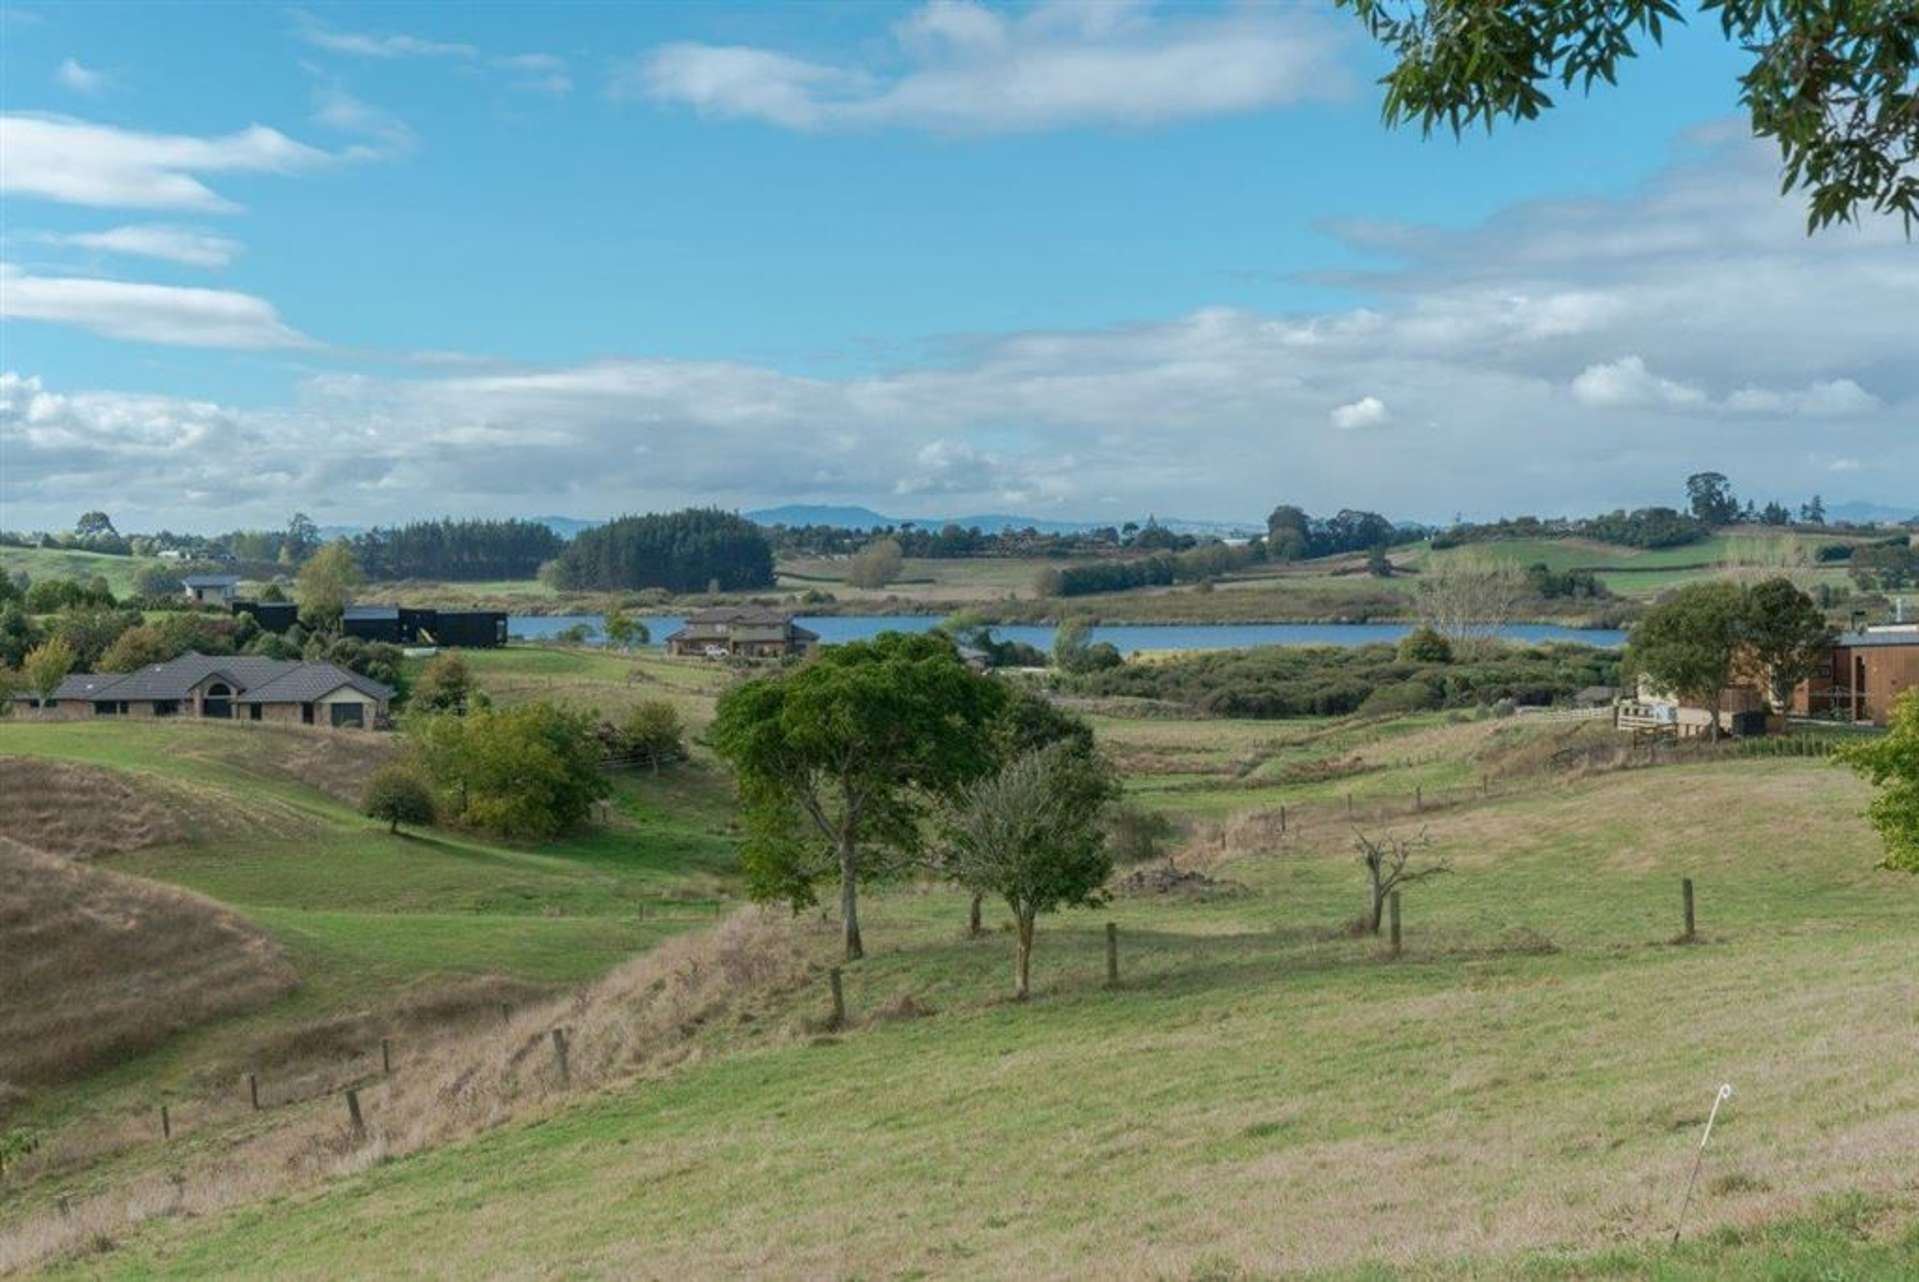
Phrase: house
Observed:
(742, 631)
(1869, 668)
(1742, 710)
(211, 589)
(240, 687)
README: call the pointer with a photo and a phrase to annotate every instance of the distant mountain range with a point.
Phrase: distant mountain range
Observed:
(865, 518)
(1867, 513)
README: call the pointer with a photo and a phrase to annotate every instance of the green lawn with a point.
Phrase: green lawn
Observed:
(56, 563)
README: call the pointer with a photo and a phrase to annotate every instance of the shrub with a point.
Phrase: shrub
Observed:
(1424, 645)
(1136, 835)
(1393, 700)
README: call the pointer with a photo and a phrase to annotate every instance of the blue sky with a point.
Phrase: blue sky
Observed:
(1074, 259)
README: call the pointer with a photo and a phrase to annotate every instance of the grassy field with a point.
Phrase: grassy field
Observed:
(53, 563)
(1265, 1094)
(1642, 573)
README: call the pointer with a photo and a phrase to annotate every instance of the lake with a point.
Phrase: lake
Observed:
(1127, 638)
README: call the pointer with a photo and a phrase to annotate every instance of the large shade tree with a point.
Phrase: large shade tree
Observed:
(1785, 636)
(1689, 644)
(840, 761)
(1830, 81)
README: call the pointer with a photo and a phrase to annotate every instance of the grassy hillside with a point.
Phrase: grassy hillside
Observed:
(53, 563)
(1266, 1094)
(1637, 572)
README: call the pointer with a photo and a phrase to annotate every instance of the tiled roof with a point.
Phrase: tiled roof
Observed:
(75, 685)
(211, 580)
(174, 679)
(310, 681)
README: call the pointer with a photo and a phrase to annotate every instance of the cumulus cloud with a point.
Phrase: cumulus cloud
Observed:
(80, 163)
(971, 69)
(1627, 384)
(1367, 411)
(153, 240)
(71, 74)
(169, 314)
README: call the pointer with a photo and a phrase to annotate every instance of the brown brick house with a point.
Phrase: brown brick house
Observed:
(741, 631)
(239, 687)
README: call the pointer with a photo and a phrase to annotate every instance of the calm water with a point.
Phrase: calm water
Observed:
(1129, 639)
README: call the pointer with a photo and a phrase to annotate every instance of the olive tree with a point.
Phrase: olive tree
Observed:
(840, 762)
(1033, 835)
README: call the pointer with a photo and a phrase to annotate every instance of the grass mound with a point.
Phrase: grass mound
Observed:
(96, 965)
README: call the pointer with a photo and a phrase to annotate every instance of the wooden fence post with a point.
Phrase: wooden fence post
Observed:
(253, 1090)
(1392, 916)
(1349, 805)
(559, 1054)
(353, 1111)
(839, 998)
(1282, 818)
(1419, 798)
(1685, 887)
(386, 1056)
(166, 1123)
(506, 1013)
(1112, 954)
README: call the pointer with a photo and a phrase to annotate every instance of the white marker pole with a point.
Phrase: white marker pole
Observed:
(1725, 1093)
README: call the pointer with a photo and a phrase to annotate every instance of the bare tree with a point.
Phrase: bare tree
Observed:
(1389, 866)
(1468, 597)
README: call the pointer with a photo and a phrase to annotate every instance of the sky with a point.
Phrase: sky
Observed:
(1071, 260)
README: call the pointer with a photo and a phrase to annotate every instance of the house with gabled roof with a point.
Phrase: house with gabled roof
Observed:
(242, 687)
(743, 632)
(211, 589)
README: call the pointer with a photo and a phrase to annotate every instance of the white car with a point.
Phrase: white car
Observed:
(717, 652)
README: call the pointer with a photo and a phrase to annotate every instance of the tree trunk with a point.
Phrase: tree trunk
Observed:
(1712, 735)
(972, 919)
(1377, 895)
(849, 901)
(394, 830)
(1023, 957)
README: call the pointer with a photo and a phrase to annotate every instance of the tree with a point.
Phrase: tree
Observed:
(1830, 83)
(1289, 533)
(680, 551)
(654, 729)
(1688, 645)
(91, 523)
(1891, 763)
(302, 538)
(1388, 862)
(532, 770)
(1710, 496)
(1814, 512)
(625, 631)
(398, 793)
(325, 585)
(876, 565)
(1032, 834)
(156, 580)
(1786, 637)
(839, 761)
(46, 667)
(444, 685)
(1378, 564)
(136, 648)
(1467, 597)
(1072, 643)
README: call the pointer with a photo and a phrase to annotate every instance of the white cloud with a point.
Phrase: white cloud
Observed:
(169, 314)
(1843, 465)
(1367, 411)
(1627, 384)
(971, 69)
(152, 240)
(1708, 359)
(362, 45)
(335, 108)
(537, 73)
(81, 79)
(80, 163)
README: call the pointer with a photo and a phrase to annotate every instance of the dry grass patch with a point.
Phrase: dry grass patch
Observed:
(95, 965)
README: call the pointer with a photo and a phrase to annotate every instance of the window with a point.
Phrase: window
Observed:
(306, 714)
(347, 714)
(253, 712)
(165, 707)
(105, 707)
